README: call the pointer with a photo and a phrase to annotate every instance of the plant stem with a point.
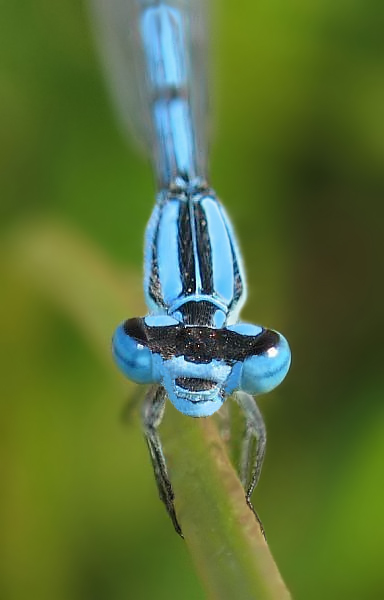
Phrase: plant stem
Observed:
(222, 534)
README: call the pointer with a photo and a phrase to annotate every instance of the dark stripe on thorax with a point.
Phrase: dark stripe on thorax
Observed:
(187, 263)
(155, 290)
(203, 248)
(238, 284)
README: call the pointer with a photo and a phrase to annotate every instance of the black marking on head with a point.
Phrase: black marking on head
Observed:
(200, 344)
(136, 329)
(195, 384)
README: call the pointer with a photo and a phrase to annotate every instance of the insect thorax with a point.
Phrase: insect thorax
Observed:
(193, 268)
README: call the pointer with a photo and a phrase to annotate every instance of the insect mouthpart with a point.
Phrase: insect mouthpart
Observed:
(195, 384)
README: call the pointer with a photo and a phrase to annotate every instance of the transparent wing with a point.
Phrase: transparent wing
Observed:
(117, 32)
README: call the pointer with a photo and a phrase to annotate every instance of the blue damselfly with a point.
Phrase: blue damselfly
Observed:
(191, 346)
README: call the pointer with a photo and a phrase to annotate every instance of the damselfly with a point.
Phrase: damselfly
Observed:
(191, 346)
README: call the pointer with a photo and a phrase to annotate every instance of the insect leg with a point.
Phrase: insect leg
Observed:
(253, 447)
(152, 415)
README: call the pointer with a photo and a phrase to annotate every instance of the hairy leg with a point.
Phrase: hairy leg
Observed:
(152, 414)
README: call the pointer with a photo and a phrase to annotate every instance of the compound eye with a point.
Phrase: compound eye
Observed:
(131, 353)
(263, 371)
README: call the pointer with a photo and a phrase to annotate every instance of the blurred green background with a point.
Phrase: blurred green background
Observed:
(297, 156)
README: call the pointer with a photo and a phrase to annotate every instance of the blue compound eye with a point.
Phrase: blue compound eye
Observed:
(263, 371)
(131, 352)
